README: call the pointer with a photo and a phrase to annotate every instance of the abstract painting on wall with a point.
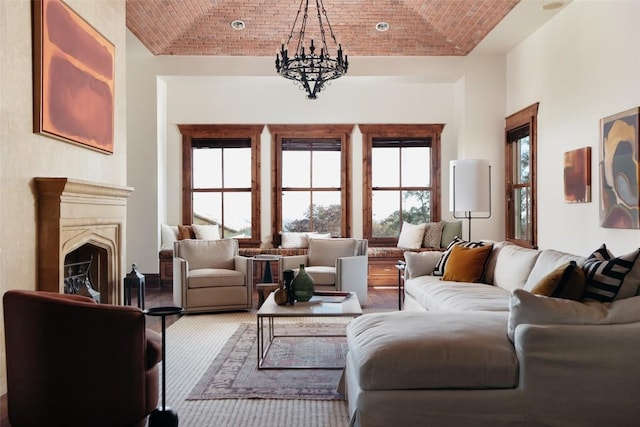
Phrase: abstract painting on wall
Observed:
(577, 175)
(73, 78)
(619, 171)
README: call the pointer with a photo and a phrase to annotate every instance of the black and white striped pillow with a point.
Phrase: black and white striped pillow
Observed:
(457, 241)
(605, 274)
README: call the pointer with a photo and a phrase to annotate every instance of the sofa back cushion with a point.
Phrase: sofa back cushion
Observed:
(526, 308)
(326, 251)
(208, 253)
(547, 261)
(513, 266)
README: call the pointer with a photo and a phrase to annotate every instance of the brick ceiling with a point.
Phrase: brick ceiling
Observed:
(417, 27)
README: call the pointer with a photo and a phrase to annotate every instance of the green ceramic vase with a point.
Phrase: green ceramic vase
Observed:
(302, 285)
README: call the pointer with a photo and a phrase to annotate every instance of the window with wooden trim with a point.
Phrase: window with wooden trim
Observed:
(220, 185)
(401, 179)
(311, 179)
(520, 177)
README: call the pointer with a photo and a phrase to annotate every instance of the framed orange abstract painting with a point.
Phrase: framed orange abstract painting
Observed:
(619, 172)
(577, 175)
(73, 78)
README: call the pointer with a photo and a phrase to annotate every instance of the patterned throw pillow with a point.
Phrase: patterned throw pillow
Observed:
(605, 275)
(442, 264)
(432, 234)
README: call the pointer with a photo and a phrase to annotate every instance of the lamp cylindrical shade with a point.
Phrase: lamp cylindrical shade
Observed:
(469, 186)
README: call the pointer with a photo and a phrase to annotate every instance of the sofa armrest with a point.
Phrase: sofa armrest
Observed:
(420, 263)
(580, 374)
(180, 274)
(244, 265)
(351, 275)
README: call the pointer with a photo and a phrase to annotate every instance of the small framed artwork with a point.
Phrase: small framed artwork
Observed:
(619, 172)
(577, 175)
(73, 76)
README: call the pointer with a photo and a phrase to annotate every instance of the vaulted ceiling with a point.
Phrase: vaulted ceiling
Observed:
(416, 27)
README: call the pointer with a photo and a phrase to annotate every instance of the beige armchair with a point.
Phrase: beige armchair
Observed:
(209, 275)
(338, 264)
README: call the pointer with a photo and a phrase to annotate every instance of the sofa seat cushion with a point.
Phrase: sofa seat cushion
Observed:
(321, 275)
(411, 350)
(435, 294)
(215, 277)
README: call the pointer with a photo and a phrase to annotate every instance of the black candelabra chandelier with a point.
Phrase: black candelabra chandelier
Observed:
(309, 69)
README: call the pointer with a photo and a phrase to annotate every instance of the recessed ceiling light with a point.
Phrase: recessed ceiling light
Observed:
(238, 25)
(382, 26)
(553, 5)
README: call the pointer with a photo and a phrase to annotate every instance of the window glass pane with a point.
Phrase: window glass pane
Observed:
(386, 213)
(207, 167)
(385, 169)
(522, 212)
(326, 169)
(327, 213)
(237, 167)
(207, 208)
(416, 166)
(295, 210)
(296, 170)
(521, 161)
(416, 206)
(237, 215)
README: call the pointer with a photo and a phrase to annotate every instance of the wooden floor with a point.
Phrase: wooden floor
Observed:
(378, 298)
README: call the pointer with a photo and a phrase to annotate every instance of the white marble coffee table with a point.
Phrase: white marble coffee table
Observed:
(270, 311)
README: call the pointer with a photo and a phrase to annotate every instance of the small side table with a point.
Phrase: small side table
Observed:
(164, 416)
(401, 265)
(267, 285)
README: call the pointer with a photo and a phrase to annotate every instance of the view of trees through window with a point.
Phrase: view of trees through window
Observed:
(401, 184)
(222, 186)
(311, 185)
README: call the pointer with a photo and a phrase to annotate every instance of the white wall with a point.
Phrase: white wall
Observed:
(25, 155)
(247, 91)
(581, 66)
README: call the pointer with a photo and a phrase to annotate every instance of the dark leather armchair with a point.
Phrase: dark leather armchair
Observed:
(73, 362)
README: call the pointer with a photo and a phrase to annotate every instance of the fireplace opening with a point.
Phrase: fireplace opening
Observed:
(86, 271)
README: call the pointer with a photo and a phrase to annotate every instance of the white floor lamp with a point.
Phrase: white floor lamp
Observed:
(470, 189)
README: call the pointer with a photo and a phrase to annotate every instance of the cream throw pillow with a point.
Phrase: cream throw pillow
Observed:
(411, 236)
(206, 231)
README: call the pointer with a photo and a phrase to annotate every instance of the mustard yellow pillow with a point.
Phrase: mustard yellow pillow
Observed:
(567, 281)
(466, 264)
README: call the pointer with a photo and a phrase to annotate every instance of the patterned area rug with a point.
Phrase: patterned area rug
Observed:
(234, 374)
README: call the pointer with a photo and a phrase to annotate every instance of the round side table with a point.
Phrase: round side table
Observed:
(163, 416)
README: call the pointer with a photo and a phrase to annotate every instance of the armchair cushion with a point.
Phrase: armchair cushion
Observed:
(326, 251)
(210, 254)
(213, 277)
(322, 275)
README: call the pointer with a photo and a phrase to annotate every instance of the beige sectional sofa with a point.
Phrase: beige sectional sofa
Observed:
(496, 354)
